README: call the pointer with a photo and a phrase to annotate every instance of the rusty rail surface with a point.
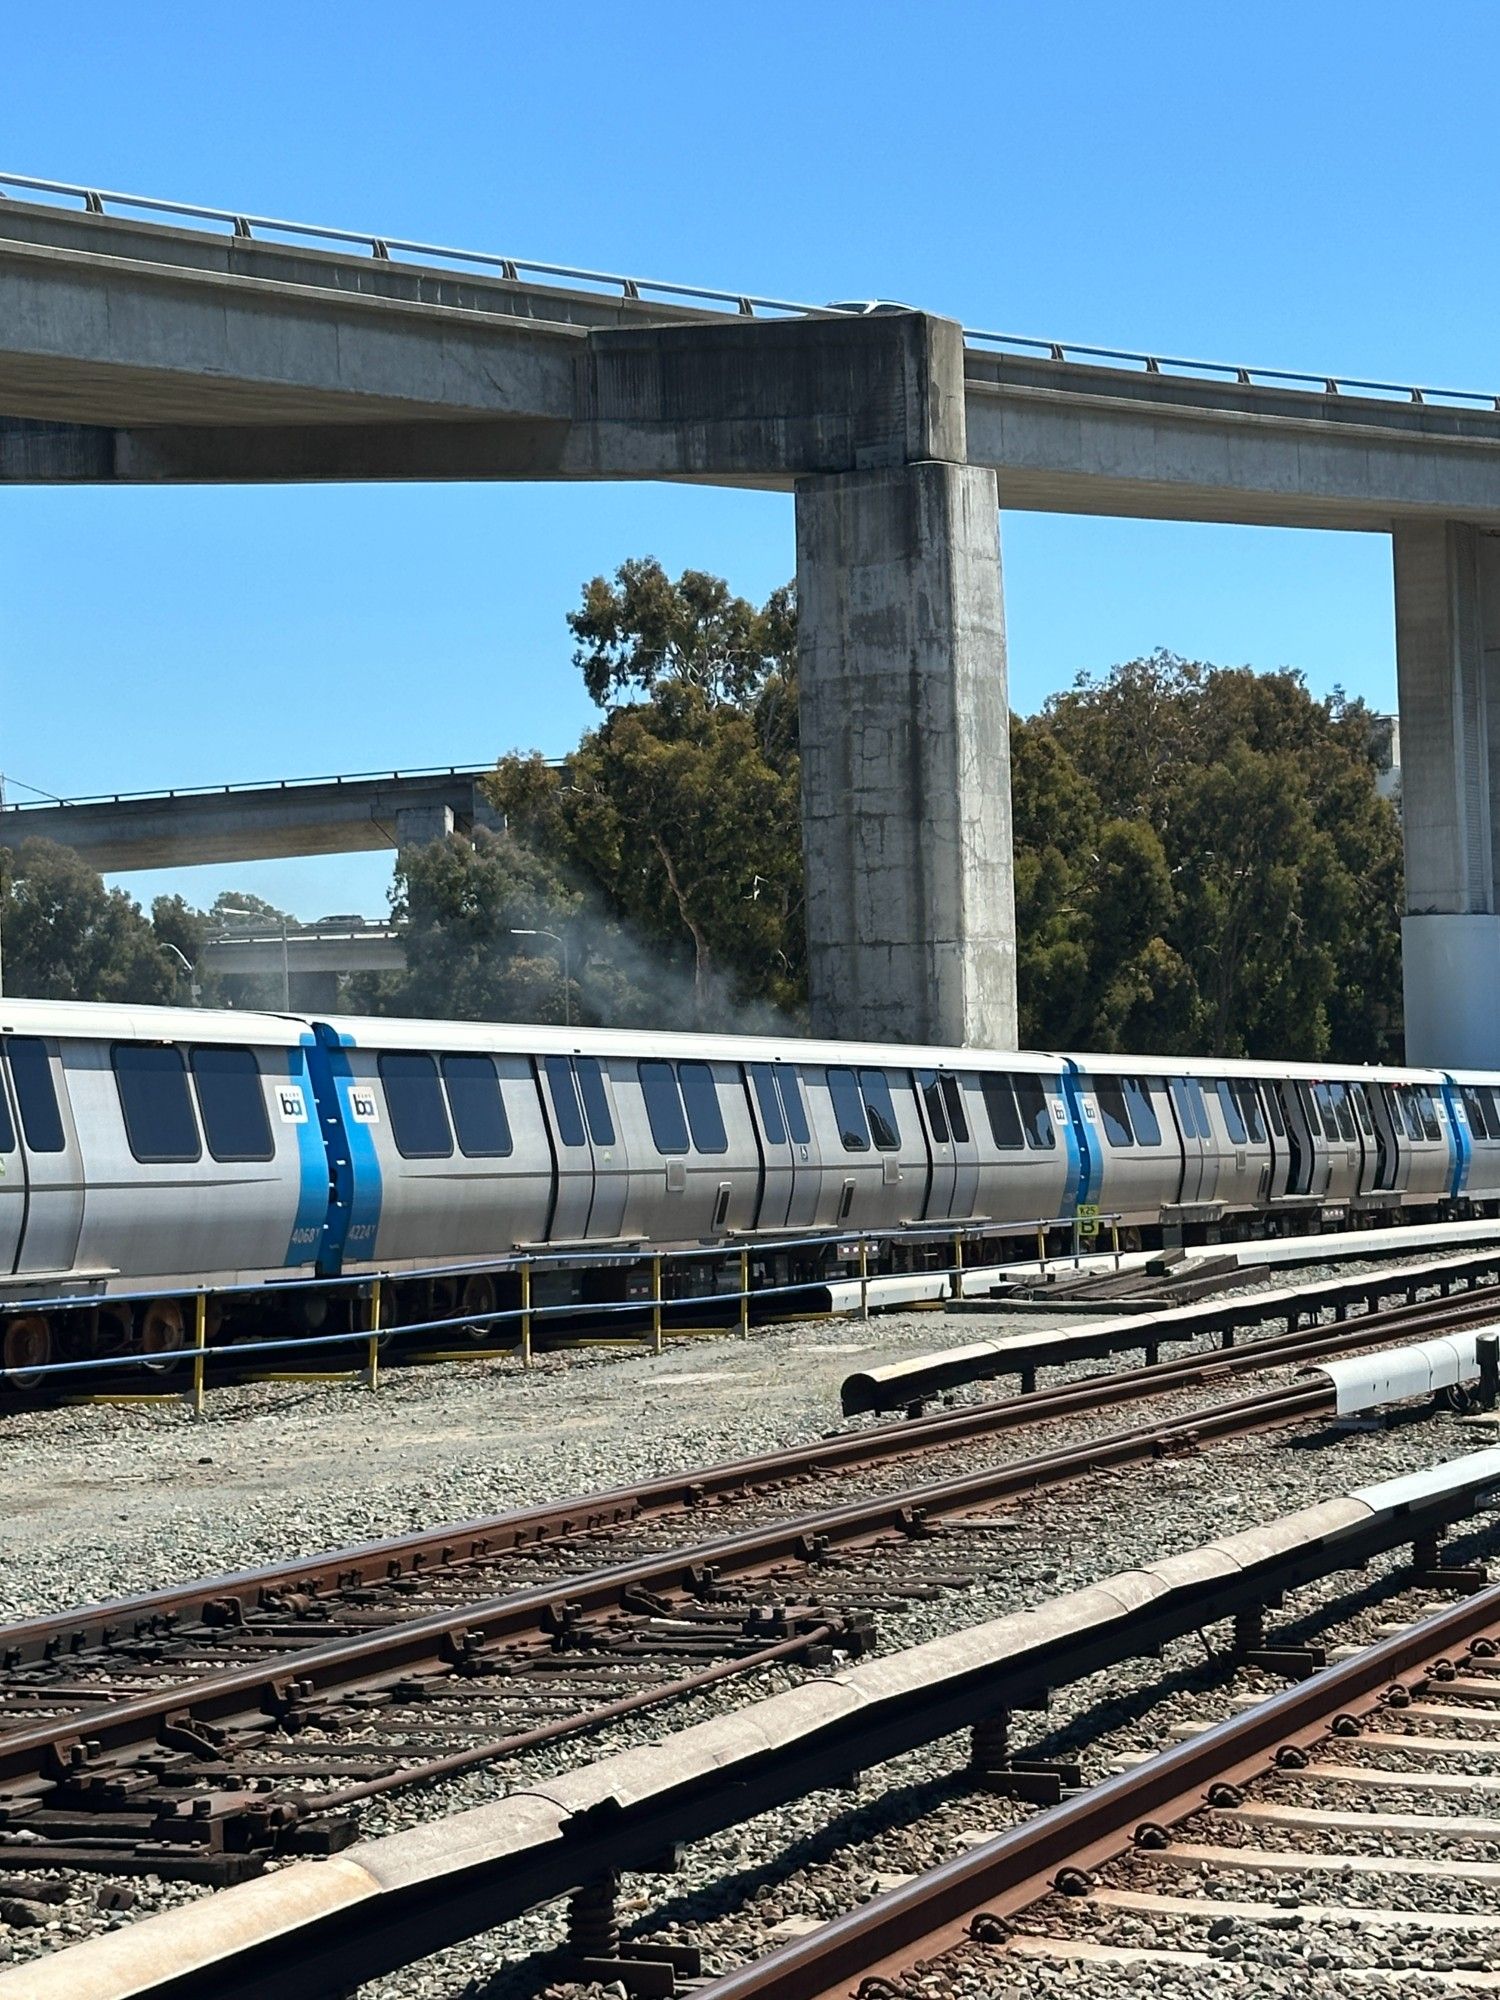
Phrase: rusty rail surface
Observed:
(969, 1899)
(314, 1927)
(149, 1734)
(187, 1776)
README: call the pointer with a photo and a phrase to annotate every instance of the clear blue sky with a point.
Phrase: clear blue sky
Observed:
(1306, 186)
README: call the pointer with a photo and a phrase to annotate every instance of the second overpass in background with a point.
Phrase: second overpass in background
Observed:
(261, 822)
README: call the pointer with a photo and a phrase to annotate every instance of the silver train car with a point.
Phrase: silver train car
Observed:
(161, 1150)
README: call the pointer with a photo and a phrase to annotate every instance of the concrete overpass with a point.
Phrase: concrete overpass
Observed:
(215, 347)
(260, 822)
(308, 959)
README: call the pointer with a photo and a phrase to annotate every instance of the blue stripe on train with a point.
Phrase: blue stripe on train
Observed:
(1461, 1143)
(308, 1230)
(353, 1163)
(1084, 1163)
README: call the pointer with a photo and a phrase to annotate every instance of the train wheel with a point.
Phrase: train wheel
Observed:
(25, 1347)
(161, 1336)
(479, 1297)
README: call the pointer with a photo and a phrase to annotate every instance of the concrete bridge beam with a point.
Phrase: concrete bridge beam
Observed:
(905, 726)
(1448, 669)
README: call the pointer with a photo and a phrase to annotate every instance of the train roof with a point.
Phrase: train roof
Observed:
(121, 1022)
(107, 1021)
(526, 1038)
(1257, 1067)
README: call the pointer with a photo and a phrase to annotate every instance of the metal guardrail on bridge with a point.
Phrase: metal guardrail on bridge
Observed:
(245, 226)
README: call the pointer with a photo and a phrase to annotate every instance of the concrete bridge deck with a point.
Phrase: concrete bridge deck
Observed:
(208, 347)
(138, 351)
(340, 815)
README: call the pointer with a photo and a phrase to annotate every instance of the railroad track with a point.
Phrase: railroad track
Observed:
(313, 1927)
(198, 1732)
(1316, 1813)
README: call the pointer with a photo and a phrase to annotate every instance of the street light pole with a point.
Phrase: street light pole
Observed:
(182, 959)
(559, 940)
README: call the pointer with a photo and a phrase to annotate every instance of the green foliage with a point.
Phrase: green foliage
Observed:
(678, 818)
(64, 936)
(490, 929)
(1204, 863)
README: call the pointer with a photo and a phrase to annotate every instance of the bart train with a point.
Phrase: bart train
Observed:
(157, 1151)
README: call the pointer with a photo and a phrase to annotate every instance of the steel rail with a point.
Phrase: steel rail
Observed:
(380, 246)
(919, 1377)
(99, 1743)
(934, 1912)
(389, 1902)
(467, 1543)
(426, 1552)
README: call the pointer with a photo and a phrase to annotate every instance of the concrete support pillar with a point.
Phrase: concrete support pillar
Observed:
(905, 724)
(1448, 670)
(418, 826)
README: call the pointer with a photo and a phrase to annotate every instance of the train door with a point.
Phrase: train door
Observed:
(942, 1171)
(592, 1176)
(1297, 1115)
(802, 1142)
(1273, 1122)
(1387, 1148)
(957, 1102)
(778, 1162)
(1192, 1140)
(1342, 1135)
(54, 1167)
(789, 1175)
(12, 1182)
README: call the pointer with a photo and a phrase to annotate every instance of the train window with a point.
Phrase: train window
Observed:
(1309, 1103)
(414, 1098)
(1487, 1093)
(1273, 1101)
(770, 1104)
(1036, 1120)
(1195, 1091)
(1361, 1109)
(1248, 1099)
(564, 1088)
(595, 1101)
(1364, 1099)
(1186, 1116)
(849, 1110)
(664, 1106)
(932, 1097)
(1335, 1116)
(1431, 1124)
(701, 1096)
(478, 1109)
(953, 1096)
(7, 1130)
(1143, 1118)
(791, 1103)
(1233, 1123)
(31, 1072)
(1348, 1130)
(1005, 1119)
(1112, 1110)
(153, 1087)
(876, 1091)
(1479, 1123)
(232, 1100)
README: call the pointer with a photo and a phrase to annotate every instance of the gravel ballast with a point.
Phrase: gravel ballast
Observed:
(104, 1501)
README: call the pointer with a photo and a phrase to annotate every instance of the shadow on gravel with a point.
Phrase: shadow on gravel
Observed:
(897, 1808)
